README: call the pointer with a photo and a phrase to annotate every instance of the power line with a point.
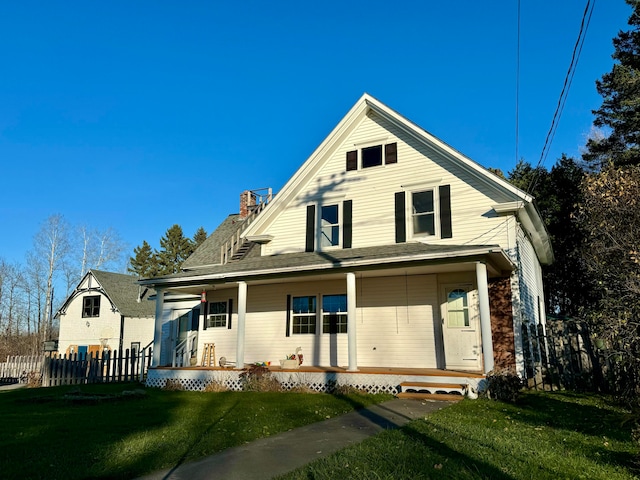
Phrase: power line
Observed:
(577, 50)
(518, 85)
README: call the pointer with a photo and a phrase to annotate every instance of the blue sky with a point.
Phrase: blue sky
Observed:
(139, 115)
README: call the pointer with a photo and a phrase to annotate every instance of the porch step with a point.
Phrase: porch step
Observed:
(449, 397)
(430, 388)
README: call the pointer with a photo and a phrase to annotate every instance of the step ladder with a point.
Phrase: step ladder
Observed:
(209, 355)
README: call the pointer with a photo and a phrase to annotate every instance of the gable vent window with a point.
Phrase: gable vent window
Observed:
(372, 156)
(91, 306)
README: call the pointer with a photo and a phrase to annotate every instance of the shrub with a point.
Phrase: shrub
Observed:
(258, 378)
(503, 385)
(215, 386)
(173, 385)
(34, 379)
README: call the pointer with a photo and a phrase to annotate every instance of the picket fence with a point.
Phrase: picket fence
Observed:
(109, 367)
(17, 368)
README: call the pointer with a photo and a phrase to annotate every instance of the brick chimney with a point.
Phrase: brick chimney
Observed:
(247, 200)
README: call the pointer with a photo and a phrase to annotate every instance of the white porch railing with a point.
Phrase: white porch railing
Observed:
(185, 350)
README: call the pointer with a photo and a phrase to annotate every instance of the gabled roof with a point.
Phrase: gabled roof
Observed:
(535, 228)
(122, 290)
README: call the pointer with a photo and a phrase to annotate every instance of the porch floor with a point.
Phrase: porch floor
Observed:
(426, 372)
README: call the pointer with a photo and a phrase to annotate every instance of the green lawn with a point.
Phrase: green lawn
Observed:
(543, 436)
(47, 433)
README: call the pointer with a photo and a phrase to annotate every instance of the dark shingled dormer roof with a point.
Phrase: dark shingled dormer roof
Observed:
(123, 290)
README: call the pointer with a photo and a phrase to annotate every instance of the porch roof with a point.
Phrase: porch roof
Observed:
(379, 257)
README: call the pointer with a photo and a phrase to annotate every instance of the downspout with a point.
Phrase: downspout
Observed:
(121, 343)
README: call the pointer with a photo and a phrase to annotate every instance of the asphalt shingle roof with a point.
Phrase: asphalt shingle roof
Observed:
(330, 259)
(123, 291)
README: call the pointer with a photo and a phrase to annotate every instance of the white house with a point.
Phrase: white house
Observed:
(106, 311)
(388, 251)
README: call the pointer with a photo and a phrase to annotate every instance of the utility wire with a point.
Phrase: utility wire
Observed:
(577, 50)
(518, 85)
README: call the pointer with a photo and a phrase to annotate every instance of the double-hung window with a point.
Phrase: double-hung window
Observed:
(334, 314)
(304, 315)
(423, 213)
(91, 306)
(217, 316)
(329, 226)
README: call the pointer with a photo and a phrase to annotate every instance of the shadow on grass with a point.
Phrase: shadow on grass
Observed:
(571, 411)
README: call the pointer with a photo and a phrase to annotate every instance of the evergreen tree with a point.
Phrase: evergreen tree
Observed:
(567, 286)
(144, 262)
(175, 248)
(199, 237)
(620, 110)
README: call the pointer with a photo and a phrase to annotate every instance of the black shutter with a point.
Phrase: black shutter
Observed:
(352, 160)
(288, 325)
(230, 312)
(205, 310)
(401, 224)
(391, 153)
(445, 211)
(347, 208)
(311, 230)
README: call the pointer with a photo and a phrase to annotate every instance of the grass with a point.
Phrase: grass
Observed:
(97, 432)
(543, 436)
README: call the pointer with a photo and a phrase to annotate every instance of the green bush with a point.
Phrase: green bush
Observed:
(503, 385)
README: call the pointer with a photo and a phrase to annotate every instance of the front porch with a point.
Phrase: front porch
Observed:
(323, 379)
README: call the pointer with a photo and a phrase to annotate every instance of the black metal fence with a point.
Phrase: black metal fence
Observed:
(565, 355)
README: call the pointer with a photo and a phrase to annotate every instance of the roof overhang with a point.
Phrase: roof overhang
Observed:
(498, 264)
(531, 220)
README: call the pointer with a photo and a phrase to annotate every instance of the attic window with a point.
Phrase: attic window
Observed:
(91, 306)
(372, 156)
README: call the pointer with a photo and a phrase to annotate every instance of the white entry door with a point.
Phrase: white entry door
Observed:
(461, 328)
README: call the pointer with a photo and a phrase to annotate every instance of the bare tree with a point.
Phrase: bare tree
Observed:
(51, 247)
(100, 249)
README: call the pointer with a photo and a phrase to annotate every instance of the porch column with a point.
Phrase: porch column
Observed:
(351, 322)
(485, 315)
(242, 313)
(157, 332)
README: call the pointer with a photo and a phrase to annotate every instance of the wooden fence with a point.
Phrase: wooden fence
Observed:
(563, 356)
(109, 367)
(17, 368)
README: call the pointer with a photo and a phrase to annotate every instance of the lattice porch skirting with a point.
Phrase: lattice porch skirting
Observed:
(197, 380)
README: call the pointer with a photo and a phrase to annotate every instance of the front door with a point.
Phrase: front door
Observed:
(461, 328)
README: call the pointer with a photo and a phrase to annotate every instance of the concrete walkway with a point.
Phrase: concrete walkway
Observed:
(276, 455)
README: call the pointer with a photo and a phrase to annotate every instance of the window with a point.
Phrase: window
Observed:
(217, 315)
(334, 314)
(91, 306)
(372, 156)
(457, 308)
(423, 213)
(304, 315)
(329, 226)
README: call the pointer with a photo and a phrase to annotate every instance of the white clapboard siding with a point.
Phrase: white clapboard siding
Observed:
(394, 315)
(530, 287)
(372, 192)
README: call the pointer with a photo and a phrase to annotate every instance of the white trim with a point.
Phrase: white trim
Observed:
(324, 266)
